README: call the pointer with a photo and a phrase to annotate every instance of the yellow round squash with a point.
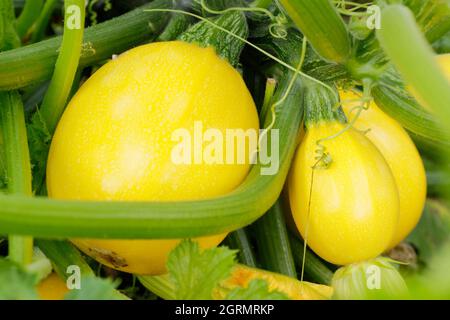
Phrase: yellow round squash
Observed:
(115, 140)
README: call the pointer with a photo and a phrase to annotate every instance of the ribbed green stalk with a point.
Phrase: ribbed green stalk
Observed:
(43, 20)
(320, 22)
(18, 169)
(321, 104)
(66, 65)
(273, 242)
(15, 142)
(398, 103)
(8, 35)
(239, 240)
(28, 16)
(176, 26)
(432, 16)
(159, 285)
(228, 47)
(35, 63)
(63, 254)
(414, 58)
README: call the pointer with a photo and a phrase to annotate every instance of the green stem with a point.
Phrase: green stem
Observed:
(315, 269)
(239, 240)
(410, 52)
(18, 169)
(66, 66)
(273, 242)
(28, 16)
(41, 266)
(209, 33)
(8, 35)
(321, 104)
(271, 85)
(36, 63)
(42, 22)
(159, 285)
(15, 143)
(63, 254)
(322, 25)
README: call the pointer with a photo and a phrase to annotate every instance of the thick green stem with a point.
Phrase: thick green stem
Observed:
(28, 16)
(205, 34)
(273, 242)
(36, 63)
(18, 169)
(42, 22)
(159, 285)
(8, 35)
(239, 240)
(322, 25)
(414, 58)
(63, 255)
(66, 66)
(15, 143)
(321, 104)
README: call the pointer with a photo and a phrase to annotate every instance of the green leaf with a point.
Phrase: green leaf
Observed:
(256, 290)
(432, 231)
(39, 139)
(16, 283)
(195, 274)
(94, 288)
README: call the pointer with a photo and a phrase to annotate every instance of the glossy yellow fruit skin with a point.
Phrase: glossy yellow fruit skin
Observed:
(114, 141)
(52, 288)
(402, 157)
(354, 204)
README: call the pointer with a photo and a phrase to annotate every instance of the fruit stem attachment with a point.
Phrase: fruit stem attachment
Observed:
(206, 34)
(321, 104)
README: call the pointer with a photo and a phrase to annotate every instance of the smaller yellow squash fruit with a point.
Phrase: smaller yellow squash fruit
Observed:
(345, 207)
(401, 155)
